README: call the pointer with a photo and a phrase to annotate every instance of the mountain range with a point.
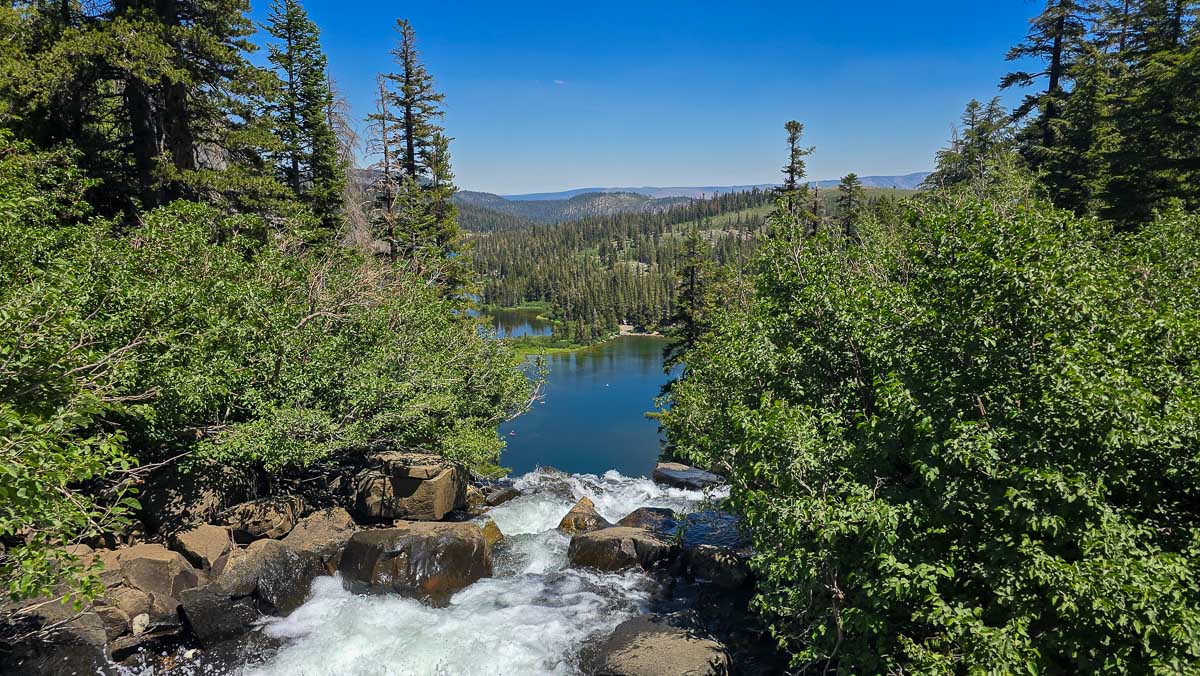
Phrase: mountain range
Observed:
(904, 182)
(570, 208)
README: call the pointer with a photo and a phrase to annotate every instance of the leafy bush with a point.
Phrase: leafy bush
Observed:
(221, 337)
(970, 444)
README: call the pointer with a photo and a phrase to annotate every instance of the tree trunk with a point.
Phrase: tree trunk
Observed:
(1055, 77)
(144, 142)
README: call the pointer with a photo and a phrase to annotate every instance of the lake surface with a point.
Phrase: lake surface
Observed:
(592, 417)
(519, 323)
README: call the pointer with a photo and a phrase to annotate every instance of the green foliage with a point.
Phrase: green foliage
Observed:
(968, 443)
(215, 335)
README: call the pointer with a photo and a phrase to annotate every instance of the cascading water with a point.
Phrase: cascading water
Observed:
(532, 617)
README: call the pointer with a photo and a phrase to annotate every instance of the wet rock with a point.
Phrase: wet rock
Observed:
(652, 645)
(325, 534)
(409, 486)
(272, 517)
(582, 518)
(202, 545)
(725, 567)
(682, 476)
(620, 547)
(74, 645)
(491, 533)
(268, 577)
(157, 571)
(658, 519)
(174, 498)
(154, 642)
(429, 561)
(501, 495)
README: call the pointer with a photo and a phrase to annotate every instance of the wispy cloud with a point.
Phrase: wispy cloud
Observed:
(560, 82)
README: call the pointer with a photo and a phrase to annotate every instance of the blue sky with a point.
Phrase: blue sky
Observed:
(553, 95)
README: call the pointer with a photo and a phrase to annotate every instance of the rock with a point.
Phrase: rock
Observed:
(620, 547)
(429, 561)
(683, 476)
(76, 645)
(651, 645)
(139, 624)
(658, 519)
(203, 544)
(268, 577)
(116, 622)
(476, 502)
(325, 534)
(174, 498)
(154, 642)
(227, 562)
(502, 495)
(725, 567)
(491, 533)
(133, 602)
(157, 571)
(266, 518)
(408, 486)
(582, 518)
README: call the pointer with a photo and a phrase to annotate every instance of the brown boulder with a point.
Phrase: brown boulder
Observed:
(725, 567)
(324, 534)
(582, 518)
(425, 491)
(658, 519)
(266, 518)
(491, 533)
(620, 547)
(429, 561)
(158, 571)
(651, 645)
(175, 497)
(476, 502)
(501, 495)
(204, 544)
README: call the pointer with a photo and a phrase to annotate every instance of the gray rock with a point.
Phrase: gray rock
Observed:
(651, 645)
(428, 561)
(620, 547)
(272, 517)
(501, 495)
(682, 476)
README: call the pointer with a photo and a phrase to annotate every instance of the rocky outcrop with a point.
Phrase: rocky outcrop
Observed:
(324, 534)
(174, 498)
(725, 567)
(583, 518)
(491, 533)
(412, 486)
(428, 561)
(270, 578)
(658, 519)
(272, 517)
(502, 494)
(476, 502)
(202, 545)
(652, 645)
(620, 547)
(682, 476)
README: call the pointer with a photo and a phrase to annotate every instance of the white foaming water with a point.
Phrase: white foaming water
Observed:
(531, 618)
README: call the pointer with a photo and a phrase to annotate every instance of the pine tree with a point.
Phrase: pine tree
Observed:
(693, 298)
(793, 192)
(311, 163)
(417, 103)
(850, 201)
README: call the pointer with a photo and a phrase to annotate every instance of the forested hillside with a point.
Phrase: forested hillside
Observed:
(963, 435)
(572, 209)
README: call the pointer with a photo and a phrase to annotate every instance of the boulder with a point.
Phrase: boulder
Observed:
(476, 502)
(725, 567)
(428, 561)
(491, 533)
(420, 492)
(174, 498)
(582, 518)
(620, 547)
(682, 476)
(203, 544)
(74, 644)
(657, 519)
(501, 495)
(268, 577)
(272, 517)
(324, 534)
(653, 645)
(157, 571)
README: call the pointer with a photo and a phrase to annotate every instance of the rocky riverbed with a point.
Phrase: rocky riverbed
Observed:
(548, 574)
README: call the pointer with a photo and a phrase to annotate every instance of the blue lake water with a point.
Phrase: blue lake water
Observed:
(592, 417)
(519, 323)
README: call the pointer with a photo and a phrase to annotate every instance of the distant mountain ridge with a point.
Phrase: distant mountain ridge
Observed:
(571, 208)
(904, 182)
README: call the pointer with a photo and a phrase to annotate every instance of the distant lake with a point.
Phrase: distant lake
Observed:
(518, 323)
(592, 418)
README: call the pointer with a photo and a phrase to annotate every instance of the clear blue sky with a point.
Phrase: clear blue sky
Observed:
(553, 95)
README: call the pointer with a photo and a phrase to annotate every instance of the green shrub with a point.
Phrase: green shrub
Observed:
(970, 444)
